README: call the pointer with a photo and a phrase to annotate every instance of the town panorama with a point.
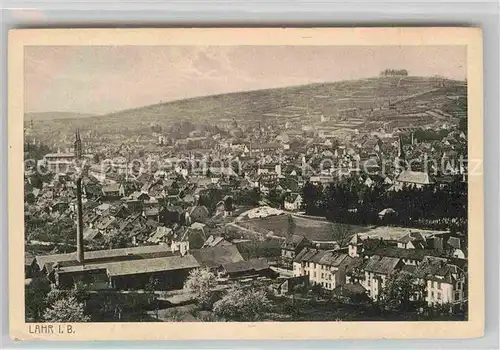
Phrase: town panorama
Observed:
(342, 201)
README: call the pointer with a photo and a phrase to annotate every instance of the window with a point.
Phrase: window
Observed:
(439, 285)
(438, 295)
(432, 295)
(369, 279)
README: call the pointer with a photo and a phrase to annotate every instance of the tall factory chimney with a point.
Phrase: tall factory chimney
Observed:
(79, 209)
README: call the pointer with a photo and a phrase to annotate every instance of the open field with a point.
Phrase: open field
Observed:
(320, 229)
(313, 229)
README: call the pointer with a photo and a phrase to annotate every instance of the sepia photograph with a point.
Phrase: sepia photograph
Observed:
(265, 181)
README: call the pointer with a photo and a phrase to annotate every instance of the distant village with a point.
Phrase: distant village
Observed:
(364, 207)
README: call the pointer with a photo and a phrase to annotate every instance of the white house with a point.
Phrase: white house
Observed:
(293, 201)
(324, 268)
(377, 270)
(444, 282)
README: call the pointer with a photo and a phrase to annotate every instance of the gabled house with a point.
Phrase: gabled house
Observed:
(225, 206)
(292, 245)
(377, 271)
(140, 196)
(412, 240)
(445, 282)
(214, 241)
(105, 224)
(151, 213)
(122, 211)
(110, 192)
(324, 268)
(161, 235)
(215, 257)
(293, 201)
(198, 213)
(103, 209)
(413, 179)
(246, 269)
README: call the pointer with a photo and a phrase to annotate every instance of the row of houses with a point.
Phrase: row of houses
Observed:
(366, 269)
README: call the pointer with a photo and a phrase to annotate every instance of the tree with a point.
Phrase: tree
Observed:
(150, 289)
(312, 197)
(275, 198)
(291, 225)
(248, 197)
(66, 310)
(114, 239)
(399, 291)
(269, 248)
(228, 204)
(242, 305)
(36, 294)
(462, 124)
(202, 283)
(81, 291)
(341, 234)
(196, 239)
(209, 198)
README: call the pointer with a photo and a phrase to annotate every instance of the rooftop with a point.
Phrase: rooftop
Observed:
(132, 267)
(382, 264)
(216, 256)
(108, 254)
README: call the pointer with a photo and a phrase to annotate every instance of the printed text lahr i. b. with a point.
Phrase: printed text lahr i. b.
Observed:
(51, 329)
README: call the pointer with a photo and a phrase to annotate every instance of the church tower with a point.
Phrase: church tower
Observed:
(78, 145)
(400, 162)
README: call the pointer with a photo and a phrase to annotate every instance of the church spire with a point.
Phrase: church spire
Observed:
(401, 152)
(78, 145)
(401, 158)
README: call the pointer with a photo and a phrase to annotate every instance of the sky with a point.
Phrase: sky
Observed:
(104, 79)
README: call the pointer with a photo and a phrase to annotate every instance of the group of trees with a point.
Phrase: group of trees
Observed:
(402, 292)
(44, 303)
(35, 151)
(392, 72)
(269, 248)
(248, 197)
(40, 225)
(352, 202)
(237, 303)
(79, 304)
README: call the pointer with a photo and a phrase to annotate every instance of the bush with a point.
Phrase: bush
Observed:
(202, 283)
(242, 305)
(66, 310)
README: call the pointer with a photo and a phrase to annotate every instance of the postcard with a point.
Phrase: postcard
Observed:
(245, 183)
